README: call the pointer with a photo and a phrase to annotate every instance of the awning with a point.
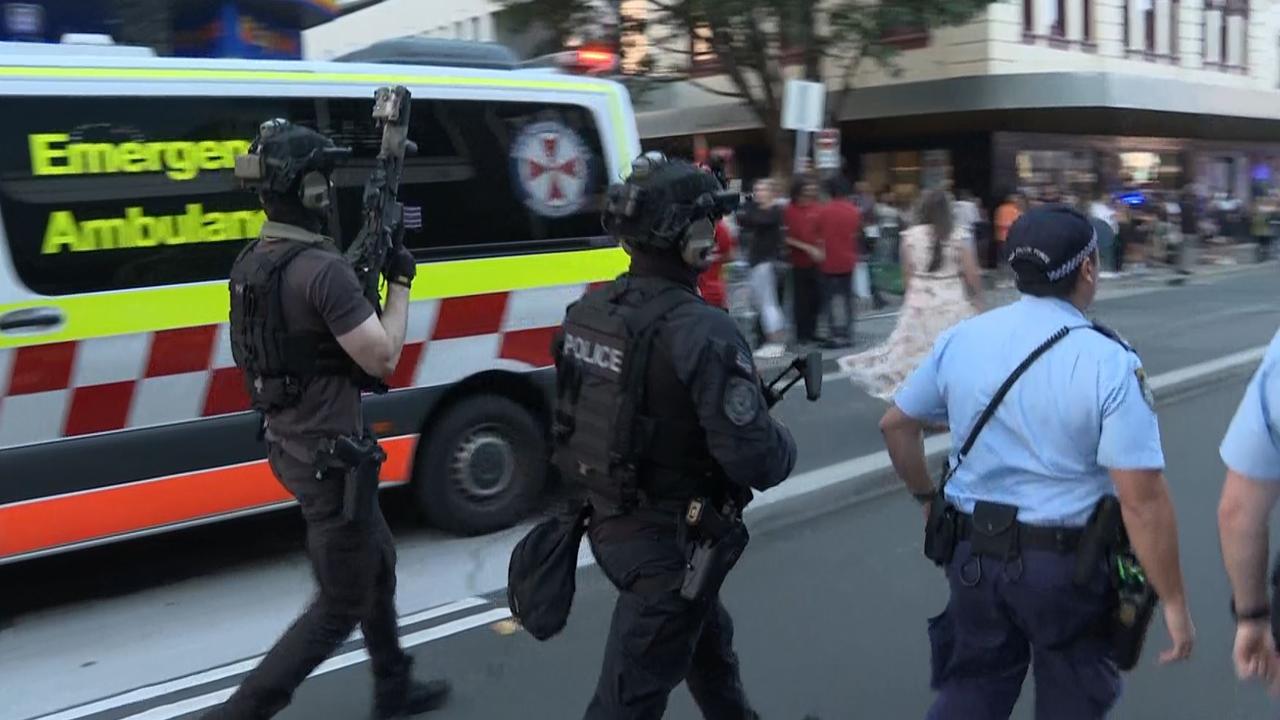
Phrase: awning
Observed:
(986, 93)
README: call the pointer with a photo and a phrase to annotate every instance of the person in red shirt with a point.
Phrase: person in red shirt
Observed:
(806, 254)
(711, 282)
(838, 226)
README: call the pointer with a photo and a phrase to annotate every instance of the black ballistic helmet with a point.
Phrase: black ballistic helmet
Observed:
(654, 208)
(283, 154)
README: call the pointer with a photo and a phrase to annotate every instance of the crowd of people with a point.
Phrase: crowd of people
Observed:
(1176, 229)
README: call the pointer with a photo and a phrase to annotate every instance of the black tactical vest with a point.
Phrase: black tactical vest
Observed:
(277, 363)
(601, 432)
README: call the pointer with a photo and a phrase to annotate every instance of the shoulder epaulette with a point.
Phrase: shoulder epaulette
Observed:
(1113, 335)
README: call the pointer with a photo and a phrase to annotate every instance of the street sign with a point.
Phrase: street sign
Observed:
(803, 105)
(827, 150)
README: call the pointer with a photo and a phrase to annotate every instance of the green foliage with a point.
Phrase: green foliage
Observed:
(753, 41)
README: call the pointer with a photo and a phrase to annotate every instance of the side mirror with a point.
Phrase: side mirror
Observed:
(813, 376)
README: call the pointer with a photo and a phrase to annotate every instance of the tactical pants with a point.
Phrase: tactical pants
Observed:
(806, 302)
(1001, 619)
(839, 306)
(355, 570)
(657, 638)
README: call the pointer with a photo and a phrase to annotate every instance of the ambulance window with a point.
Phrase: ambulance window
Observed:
(489, 178)
(108, 193)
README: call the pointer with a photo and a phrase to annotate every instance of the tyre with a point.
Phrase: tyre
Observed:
(483, 468)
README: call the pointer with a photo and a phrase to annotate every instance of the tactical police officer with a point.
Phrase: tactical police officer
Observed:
(308, 341)
(662, 419)
(1251, 451)
(1076, 429)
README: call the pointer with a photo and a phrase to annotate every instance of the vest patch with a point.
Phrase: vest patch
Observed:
(597, 354)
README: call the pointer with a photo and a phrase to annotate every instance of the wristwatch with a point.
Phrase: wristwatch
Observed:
(1260, 613)
(926, 497)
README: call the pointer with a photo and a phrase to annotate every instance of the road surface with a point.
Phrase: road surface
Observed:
(830, 611)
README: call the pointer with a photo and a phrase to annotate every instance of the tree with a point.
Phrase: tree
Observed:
(563, 20)
(755, 42)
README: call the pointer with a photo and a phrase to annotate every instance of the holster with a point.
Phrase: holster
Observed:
(362, 457)
(718, 538)
(941, 532)
(1134, 600)
(1135, 606)
(1102, 533)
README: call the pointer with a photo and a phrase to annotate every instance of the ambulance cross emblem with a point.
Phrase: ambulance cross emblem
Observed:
(551, 166)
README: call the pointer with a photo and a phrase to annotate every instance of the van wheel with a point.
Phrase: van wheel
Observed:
(484, 467)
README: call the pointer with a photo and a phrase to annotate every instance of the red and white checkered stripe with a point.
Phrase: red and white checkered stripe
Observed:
(128, 381)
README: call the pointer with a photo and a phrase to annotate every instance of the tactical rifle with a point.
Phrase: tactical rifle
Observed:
(384, 216)
(807, 368)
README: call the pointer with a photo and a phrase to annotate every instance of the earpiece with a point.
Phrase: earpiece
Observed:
(314, 191)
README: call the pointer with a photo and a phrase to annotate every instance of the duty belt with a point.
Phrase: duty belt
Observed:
(1031, 537)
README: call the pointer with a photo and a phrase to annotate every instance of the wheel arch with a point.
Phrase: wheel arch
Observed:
(531, 390)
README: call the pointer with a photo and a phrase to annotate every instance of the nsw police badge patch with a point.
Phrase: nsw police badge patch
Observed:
(1147, 395)
(740, 402)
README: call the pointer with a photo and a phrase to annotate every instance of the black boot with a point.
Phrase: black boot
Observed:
(415, 697)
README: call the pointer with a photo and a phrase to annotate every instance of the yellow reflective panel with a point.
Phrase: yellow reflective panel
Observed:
(166, 308)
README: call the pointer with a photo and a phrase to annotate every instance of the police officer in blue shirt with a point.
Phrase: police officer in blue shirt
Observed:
(1077, 426)
(1251, 451)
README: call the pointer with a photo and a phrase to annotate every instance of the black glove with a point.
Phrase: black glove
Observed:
(400, 267)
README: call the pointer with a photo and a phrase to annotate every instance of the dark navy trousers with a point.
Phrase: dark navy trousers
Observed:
(1004, 617)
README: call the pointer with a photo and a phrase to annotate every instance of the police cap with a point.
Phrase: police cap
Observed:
(1048, 243)
(283, 153)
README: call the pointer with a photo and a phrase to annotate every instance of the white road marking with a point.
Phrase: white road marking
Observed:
(165, 688)
(1173, 377)
(355, 657)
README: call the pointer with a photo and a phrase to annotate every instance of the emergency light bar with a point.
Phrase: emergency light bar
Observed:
(580, 61)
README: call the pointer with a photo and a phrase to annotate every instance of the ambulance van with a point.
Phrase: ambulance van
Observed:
(121, 411)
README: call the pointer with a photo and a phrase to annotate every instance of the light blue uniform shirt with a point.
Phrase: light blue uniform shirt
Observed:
(1078, 411)
(1252, 444)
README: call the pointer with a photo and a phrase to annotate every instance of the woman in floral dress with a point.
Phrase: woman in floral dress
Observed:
(942, 287)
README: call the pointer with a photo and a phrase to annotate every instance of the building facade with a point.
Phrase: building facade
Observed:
(454, 19)
(1080, 95)
(1072, 95)
(261, 29)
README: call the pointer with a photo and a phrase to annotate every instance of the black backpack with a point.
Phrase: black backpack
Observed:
(542, 571)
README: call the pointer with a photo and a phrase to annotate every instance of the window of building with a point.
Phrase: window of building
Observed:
(1226, 33)
(138, 192)
(1175, 28)
(1062, 23)
(906, 36)
(475, 29)
(1058, 26)
(1148, 10)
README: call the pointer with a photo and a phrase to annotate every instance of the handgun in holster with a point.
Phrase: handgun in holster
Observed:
(719, 538)
(363, 459)
(1105, 543)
